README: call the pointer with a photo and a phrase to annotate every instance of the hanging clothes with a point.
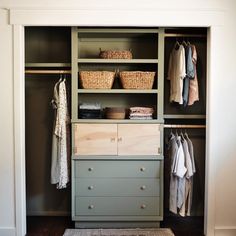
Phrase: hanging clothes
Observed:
(59, 166)
(190, 73)
(193, 85)
(176, 73)
(172, 151)
(181, 174)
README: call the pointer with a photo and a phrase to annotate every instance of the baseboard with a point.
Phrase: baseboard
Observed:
(48, 213)
(225, 231)
(7, 231)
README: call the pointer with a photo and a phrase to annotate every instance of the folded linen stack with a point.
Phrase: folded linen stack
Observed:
(141, 113)
(90, 111)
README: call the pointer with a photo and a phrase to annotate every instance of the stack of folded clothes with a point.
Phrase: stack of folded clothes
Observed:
(141, 113)
(90, 111)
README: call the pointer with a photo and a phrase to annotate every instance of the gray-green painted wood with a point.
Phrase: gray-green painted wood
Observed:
(118, 222)
(108, 121)
(120, 61)
(74, 73)
(117, 177)
(117, 169)
(123, 206)
(113, 187)
(160, 74)
(109, 91)
(116, 30)
(117, 158)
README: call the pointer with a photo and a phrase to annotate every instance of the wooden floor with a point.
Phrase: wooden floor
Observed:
(55, 226)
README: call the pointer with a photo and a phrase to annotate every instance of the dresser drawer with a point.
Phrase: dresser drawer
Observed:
(117, 206)
(122, 169)
(117, 187)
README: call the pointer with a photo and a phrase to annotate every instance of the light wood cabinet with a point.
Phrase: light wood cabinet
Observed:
(95, 139)
(139, 139)
(117, 139)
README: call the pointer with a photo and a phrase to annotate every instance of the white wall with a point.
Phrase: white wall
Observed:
(7, 212)
(226, 162)
(223, 95)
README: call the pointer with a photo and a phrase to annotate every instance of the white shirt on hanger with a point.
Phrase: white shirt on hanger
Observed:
(176, 74)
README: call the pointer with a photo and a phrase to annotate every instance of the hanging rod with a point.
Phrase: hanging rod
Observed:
(47, 71)
(185, 35)
(185, 126)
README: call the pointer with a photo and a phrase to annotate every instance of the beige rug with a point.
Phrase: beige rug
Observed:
(119, 232)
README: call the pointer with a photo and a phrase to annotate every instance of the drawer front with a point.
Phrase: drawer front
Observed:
(117, 187)
(122, 169)
(117, 206)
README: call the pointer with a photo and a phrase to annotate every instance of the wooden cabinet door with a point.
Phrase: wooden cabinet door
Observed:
(138, 139)
(95, 139)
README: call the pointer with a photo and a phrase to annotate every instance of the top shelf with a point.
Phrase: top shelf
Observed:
(125, 61)
(118, 30)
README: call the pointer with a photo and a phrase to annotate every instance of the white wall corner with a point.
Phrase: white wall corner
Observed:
(224, 231)
(7, 231)
(4, 16)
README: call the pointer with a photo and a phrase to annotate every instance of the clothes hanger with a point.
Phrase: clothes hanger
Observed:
(177, 44)
(181, 134)
(186, 134)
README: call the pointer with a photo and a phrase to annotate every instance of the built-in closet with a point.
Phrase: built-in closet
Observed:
(55, 52)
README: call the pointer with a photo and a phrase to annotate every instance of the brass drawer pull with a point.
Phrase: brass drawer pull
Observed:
(143, 187)
(90, 169)
(91, 206)
(142, 169)
(90, 187)
(143, 206)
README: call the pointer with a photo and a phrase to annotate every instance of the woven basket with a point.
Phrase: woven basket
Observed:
(137, 79)
(115, 113)
(115, 54)
(96, 79)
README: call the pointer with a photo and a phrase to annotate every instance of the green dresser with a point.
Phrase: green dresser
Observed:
(111, 191)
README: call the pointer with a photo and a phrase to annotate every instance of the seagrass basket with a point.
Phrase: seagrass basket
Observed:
(115, 113)
(115, 54)
(96, 79)
(137, 79)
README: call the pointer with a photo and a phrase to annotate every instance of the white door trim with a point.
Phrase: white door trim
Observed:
(19, 128)
(155, 18)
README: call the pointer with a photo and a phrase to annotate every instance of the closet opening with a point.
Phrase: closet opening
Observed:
(48, 58)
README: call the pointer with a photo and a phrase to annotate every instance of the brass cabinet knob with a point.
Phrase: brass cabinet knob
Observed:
(90, 169)
(143, 187)
(113, 140)
(142, 169)
(120, 139)
(91, 206)
(90, 187)
(143, 206)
